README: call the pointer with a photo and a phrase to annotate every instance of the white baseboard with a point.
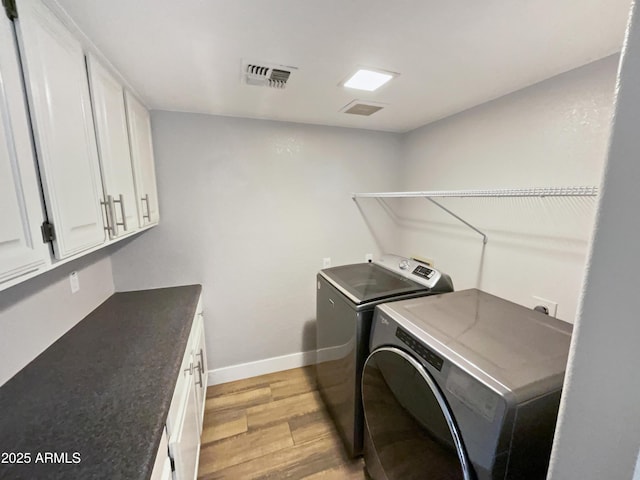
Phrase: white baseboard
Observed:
(260, 367)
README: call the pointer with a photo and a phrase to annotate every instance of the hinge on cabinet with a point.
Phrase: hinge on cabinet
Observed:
(10, 9)
(48, 232)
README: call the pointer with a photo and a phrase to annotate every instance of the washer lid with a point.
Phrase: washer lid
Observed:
(365, 282)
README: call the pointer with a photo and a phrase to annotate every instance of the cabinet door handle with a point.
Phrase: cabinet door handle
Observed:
(148, 214)
(190, 369)
(124, 216)
(201, 362)
(108, 209)
(199, 382)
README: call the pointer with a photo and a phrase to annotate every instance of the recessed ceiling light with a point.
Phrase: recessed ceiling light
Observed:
(368, 80)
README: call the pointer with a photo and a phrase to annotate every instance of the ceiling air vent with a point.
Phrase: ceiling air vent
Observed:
(359, 107)
(264, 74)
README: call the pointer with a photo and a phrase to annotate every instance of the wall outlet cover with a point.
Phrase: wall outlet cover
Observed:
(74, 280)
(326, 262)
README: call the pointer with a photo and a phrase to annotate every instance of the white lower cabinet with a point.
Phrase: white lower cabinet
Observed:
(200, 362)
(162, 466)
(184, 421)
(184, 444)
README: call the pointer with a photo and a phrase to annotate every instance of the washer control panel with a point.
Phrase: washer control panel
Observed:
(411, 269)
(424, 272)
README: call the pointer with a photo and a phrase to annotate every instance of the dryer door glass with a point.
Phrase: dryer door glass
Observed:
(410, 431)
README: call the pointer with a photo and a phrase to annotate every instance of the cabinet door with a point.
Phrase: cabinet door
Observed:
(143, 161)
(21, 248)
(184, 442)
(201, 372)
(58, 92)
(107, 97)
(162, 460)
(166, 471)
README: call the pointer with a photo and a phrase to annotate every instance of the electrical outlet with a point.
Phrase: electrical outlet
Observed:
(368, 257)
(74, 280)
(326, 262)
(551, 306)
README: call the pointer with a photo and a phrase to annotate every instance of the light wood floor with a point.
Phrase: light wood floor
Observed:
(271, 427)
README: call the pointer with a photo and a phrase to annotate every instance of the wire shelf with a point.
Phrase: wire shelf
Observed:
(540, 192)
(578, 191)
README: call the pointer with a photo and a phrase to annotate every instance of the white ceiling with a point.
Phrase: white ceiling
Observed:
(186, 55)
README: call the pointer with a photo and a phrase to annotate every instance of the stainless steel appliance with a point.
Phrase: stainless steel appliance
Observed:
(462, 386)
(346, 298)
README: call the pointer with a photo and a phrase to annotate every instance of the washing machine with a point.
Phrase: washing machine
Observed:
(462, 386)
(346, 298)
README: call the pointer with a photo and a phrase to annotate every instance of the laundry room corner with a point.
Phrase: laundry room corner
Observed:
(326, 239)
(250, 208)
(551, 134)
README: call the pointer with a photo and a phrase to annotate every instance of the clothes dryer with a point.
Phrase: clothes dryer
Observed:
(462, 386)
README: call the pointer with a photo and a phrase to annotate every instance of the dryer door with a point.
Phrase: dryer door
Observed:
(411, 433)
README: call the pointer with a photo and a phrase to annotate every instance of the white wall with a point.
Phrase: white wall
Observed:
(248, 209)
(34, 314)
(551, 134)
(598, 433)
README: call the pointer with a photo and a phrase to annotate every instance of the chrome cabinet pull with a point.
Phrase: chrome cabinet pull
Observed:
(148, 214)
(123, 224)
(104, 204)
(112, 210)
(124, 215)
(201, 362)
(199, 382)
(109, 213)
(190, 369)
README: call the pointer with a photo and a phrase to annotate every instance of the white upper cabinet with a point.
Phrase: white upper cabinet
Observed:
(58, 93)
(92, 170)
(143, 162)
(107, 96)
(22, 251)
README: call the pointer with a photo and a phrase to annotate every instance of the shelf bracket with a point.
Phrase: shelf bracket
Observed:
(10, 9)
(484, 236)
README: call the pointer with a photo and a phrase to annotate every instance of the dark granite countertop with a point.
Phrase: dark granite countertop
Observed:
(99, 396)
